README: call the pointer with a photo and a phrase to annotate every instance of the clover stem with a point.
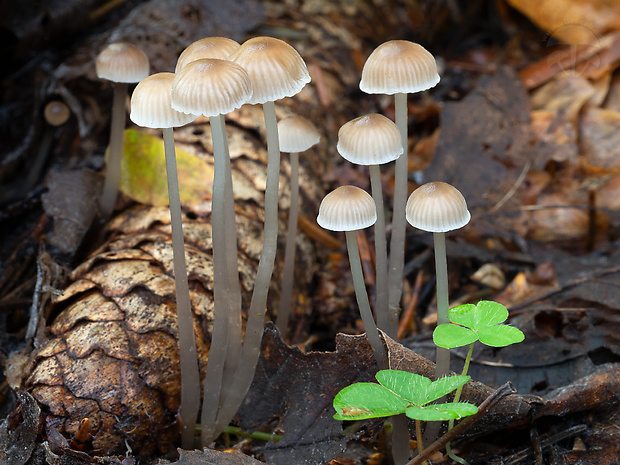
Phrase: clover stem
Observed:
(386, 320)
(372, 333)
(256, 314)
(217, 354)
(457, 396)
(188, 358)
(418, 436)
(397, 242)
(288, 273)
(113, 165)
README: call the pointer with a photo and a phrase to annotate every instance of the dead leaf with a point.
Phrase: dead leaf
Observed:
(587, 20)
(600, 138)
(143, 172)
(483, 155)
(213, 457)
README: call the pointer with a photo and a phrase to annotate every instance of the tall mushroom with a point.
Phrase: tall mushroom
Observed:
(296, 134)
(221, 48)
(276, 71)
(399, 67)
(213, 87)
(348, 209)
(209, 47)
(439, 207)
(374, 140)
(151, 108)
(121, 63)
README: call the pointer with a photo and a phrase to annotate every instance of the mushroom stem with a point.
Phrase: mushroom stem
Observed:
(113, 165)
(397, 243)
(288, 273)
(235, 336)
(256, 313)
(388, 321)
(442, 367)
(188, 358)
(372, 333)
(219, 342)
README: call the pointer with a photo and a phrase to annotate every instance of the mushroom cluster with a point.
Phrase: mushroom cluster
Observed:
(215, 76)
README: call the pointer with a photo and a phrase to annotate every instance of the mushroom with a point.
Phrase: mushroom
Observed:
(209, 47)
(121, 63)
(373, 140)
(276, 71)
(439, 207)
(399, 67)
(151, 108)
(221, 48)
(213, 87)
(348, 209)
(296, 134)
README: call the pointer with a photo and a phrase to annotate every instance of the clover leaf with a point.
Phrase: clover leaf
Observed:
(481, 322)
(401, 392)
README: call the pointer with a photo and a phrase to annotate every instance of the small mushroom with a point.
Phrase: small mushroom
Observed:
(296, 134)
(439, 207)
(276, 71)
(374, 140)
(151, 107)
(209, 47)
(348, 209)
(399, 67)
(213, 87)
(121, 63)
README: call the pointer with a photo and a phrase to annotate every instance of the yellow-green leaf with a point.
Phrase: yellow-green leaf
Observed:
(143, 172)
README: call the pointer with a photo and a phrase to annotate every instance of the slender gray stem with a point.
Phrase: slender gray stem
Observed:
(113, 165)
(372, 333)
(442, 361)
(441, 271)
(385, 319)
(235, 337)
(286, 293)
(400, 440)
(188, 358)
(256, 314)
(219, 338)
(397, 243)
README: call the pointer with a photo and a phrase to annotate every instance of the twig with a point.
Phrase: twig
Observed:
(483, 408)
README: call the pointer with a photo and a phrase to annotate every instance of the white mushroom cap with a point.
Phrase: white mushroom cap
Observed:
(276, 69)
(209, 47)
(122, 62)
(297, 134)
(211, 87)
(437, 207)
(347, 208)
(370, 140)
(399, 66)
(151, 104)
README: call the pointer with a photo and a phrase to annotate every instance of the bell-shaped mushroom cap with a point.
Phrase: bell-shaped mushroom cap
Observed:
(297, 134)
(399, 66)
(151, 106)
(369, 140)
(211, 87)
(56, 113)
(276, 69)
(437, 207)
(122, 62)
(209, 47)
(347, 208)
